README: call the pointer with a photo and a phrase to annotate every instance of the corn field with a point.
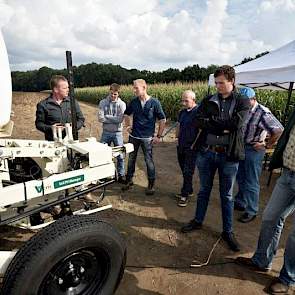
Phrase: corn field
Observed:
(170, 96)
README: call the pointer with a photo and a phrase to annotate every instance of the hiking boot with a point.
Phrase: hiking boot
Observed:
(192, 225)
(127, 185)
(182, 202)
(231, 241)
(278, 287)
(150, 190)
(248, 262)
(121, 180)
(246, 217)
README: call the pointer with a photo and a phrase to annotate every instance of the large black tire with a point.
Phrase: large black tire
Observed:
(74, 255)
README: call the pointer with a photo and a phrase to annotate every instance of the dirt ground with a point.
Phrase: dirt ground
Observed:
(159, 256)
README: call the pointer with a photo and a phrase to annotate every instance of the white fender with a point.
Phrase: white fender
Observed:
(5, 91)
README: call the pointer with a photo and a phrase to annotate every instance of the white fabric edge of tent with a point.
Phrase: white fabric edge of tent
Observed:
(261, 85)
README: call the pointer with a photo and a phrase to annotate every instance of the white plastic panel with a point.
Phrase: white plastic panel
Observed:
(99, 153)
(12, 194)
(5, 84)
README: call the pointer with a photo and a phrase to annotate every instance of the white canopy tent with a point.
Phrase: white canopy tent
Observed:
(275, 70)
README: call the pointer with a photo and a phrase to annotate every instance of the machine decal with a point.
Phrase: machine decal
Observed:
(68, 181)
(39, 188)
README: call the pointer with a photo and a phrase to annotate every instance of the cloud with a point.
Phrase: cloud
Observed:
(6, 13)
(275, 22)
(273, 5)
(146, 34)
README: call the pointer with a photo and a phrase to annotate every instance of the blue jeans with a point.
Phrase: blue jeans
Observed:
(117, 139)
(279, 207)
(248, 179)
(147, 149)
(187, 162)
(208, 162)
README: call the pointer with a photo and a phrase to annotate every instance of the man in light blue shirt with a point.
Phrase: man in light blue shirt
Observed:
(110, 114)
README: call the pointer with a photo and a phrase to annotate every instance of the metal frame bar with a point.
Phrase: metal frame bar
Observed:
(71, 93)
(290, 90)
(263, 85)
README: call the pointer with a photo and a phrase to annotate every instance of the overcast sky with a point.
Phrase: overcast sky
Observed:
(143, 34)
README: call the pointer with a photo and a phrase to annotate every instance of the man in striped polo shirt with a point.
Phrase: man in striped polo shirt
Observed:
(281, 205)
(260, 124)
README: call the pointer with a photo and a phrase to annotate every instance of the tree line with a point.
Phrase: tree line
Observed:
(93, 74)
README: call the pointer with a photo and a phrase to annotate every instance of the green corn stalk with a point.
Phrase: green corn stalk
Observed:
(169, 95)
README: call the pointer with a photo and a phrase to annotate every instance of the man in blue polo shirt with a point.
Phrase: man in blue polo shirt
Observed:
(186, 133)
(145, 110)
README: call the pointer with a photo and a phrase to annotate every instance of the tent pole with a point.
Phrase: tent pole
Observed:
(209, 90)
(288, 102)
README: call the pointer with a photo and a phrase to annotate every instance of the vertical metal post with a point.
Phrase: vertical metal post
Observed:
(71, 94)
(209, 90)
(288, 102)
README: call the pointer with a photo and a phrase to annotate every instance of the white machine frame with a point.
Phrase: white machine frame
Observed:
(60, 181)
(39, 178)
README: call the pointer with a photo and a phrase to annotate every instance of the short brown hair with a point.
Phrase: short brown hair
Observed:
(227, 71)
(115, 87)
(55, 79)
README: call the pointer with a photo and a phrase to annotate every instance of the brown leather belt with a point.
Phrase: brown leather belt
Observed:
(217, 148)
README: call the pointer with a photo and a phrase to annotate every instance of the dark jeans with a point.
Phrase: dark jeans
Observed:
(187, 162)
(147, 149)
(208, 162)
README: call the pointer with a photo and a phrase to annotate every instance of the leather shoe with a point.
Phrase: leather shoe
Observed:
(238, 207)
(246, 217)
(248, 262)
(277, 287)
(231, 241)
(192, 225)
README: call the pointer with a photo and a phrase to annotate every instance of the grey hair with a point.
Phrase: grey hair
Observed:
(189, 93)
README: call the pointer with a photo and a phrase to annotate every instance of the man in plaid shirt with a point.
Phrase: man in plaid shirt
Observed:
(280, 205)
(260, 124)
